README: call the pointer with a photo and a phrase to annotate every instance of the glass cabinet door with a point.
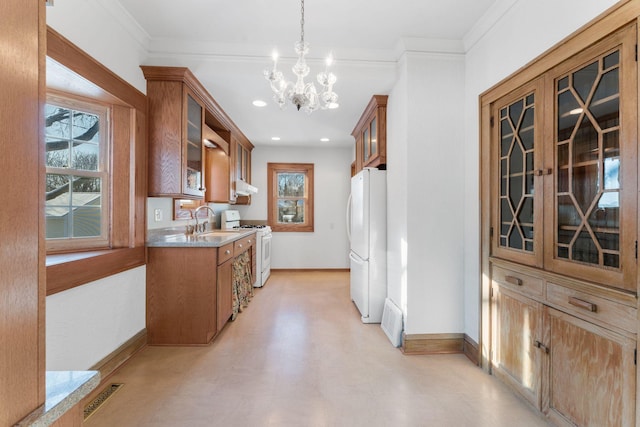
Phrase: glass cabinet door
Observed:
(588, 164)
(366, 144)
(374, 137)
(193, 183)
(593, 203)
(517, 154)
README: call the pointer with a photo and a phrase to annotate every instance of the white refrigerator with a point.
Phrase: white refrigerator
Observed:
(368, 236)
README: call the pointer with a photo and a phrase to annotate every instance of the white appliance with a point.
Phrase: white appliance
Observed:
(367, 228)
(230, 219)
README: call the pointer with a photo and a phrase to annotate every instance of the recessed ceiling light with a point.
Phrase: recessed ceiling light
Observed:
(275, 138)
(324, 139)
(259, 103)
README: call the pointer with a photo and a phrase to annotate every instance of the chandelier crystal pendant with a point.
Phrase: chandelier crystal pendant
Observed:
(303, 95)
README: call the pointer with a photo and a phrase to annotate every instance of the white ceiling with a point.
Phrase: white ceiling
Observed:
(227, 45)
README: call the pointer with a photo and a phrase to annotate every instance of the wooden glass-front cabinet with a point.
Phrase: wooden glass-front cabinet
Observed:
(576, 157)
(241, 169)
(176, 120)
(560, 158)
(370, 134)
(182, 114)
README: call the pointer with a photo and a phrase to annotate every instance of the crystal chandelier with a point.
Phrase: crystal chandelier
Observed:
(303, 95)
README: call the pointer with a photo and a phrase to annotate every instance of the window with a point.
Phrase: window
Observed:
(290, 196)
(77, 174)
(77, 82)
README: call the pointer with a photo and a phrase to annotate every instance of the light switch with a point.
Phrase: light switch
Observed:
(157, 215)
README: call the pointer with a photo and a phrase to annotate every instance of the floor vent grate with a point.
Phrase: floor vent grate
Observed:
(392, 322)
(100, 399)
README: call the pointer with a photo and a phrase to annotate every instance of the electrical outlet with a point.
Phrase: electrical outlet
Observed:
(157, 215)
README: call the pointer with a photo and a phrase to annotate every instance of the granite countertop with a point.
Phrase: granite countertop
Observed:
(175, 237)
(64, 389)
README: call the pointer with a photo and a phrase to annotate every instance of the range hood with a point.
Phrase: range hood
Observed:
(244, 189)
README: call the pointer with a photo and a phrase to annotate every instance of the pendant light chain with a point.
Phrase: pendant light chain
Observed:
(302, 22)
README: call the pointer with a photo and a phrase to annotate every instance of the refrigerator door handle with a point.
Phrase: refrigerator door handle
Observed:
(349, 217)
(356, 259)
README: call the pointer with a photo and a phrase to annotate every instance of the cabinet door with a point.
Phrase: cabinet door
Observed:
(516, 178)
(225, 298)
(591, 199)
(592, 376)
(517, 324)
(192, 156)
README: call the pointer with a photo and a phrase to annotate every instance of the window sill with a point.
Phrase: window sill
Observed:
(66, 271)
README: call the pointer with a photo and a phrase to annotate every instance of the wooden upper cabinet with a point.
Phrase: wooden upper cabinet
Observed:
(564, 167)
(240, 168)
(370, 134)
(217, 166)
(176, 120)
(590, 197)
(185, 123)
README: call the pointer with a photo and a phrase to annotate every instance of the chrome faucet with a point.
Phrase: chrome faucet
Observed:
(194, 214)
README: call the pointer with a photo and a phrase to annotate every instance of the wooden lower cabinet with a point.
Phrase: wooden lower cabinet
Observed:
(517, 325)
(592, 375)
(225, 295)
(576, 368)
(181, 295)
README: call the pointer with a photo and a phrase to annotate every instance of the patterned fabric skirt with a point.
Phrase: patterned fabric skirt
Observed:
(242, 283)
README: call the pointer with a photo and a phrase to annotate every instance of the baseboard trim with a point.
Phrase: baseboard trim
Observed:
(110, 364)
(471, 350)
(432, 343)
(309, 270)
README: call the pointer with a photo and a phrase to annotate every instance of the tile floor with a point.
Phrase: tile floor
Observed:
(299, 356)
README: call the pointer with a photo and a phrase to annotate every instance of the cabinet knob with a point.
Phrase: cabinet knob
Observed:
(240, 245)
(227, 252)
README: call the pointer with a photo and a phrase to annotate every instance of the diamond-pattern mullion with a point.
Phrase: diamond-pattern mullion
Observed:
(585, 165)
(516, 168)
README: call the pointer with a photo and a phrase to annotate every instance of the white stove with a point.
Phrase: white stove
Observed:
(230, 219)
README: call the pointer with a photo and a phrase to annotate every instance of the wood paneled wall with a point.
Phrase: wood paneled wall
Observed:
(22, 361)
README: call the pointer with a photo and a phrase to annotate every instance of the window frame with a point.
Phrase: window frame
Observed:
(75, 72)
(65, 244)
(273, 169)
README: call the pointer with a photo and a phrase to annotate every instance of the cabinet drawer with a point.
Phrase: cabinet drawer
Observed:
(518, 281)
(225, 252)
(241, 245)
(591, 307)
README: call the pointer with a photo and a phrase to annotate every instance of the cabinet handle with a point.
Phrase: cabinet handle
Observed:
(202, 189)
(541, 346)
(586, 305)
(513, 280)
(541, 172)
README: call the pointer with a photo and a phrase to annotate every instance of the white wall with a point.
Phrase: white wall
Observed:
(104, 31)
(87, 323)
(425, 185)
(524, 30)
(327, 246)
(397, 198)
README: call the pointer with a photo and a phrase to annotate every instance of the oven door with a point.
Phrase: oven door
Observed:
(265, 247)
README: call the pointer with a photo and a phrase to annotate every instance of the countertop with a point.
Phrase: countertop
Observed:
(175, 237)
(64, 389)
